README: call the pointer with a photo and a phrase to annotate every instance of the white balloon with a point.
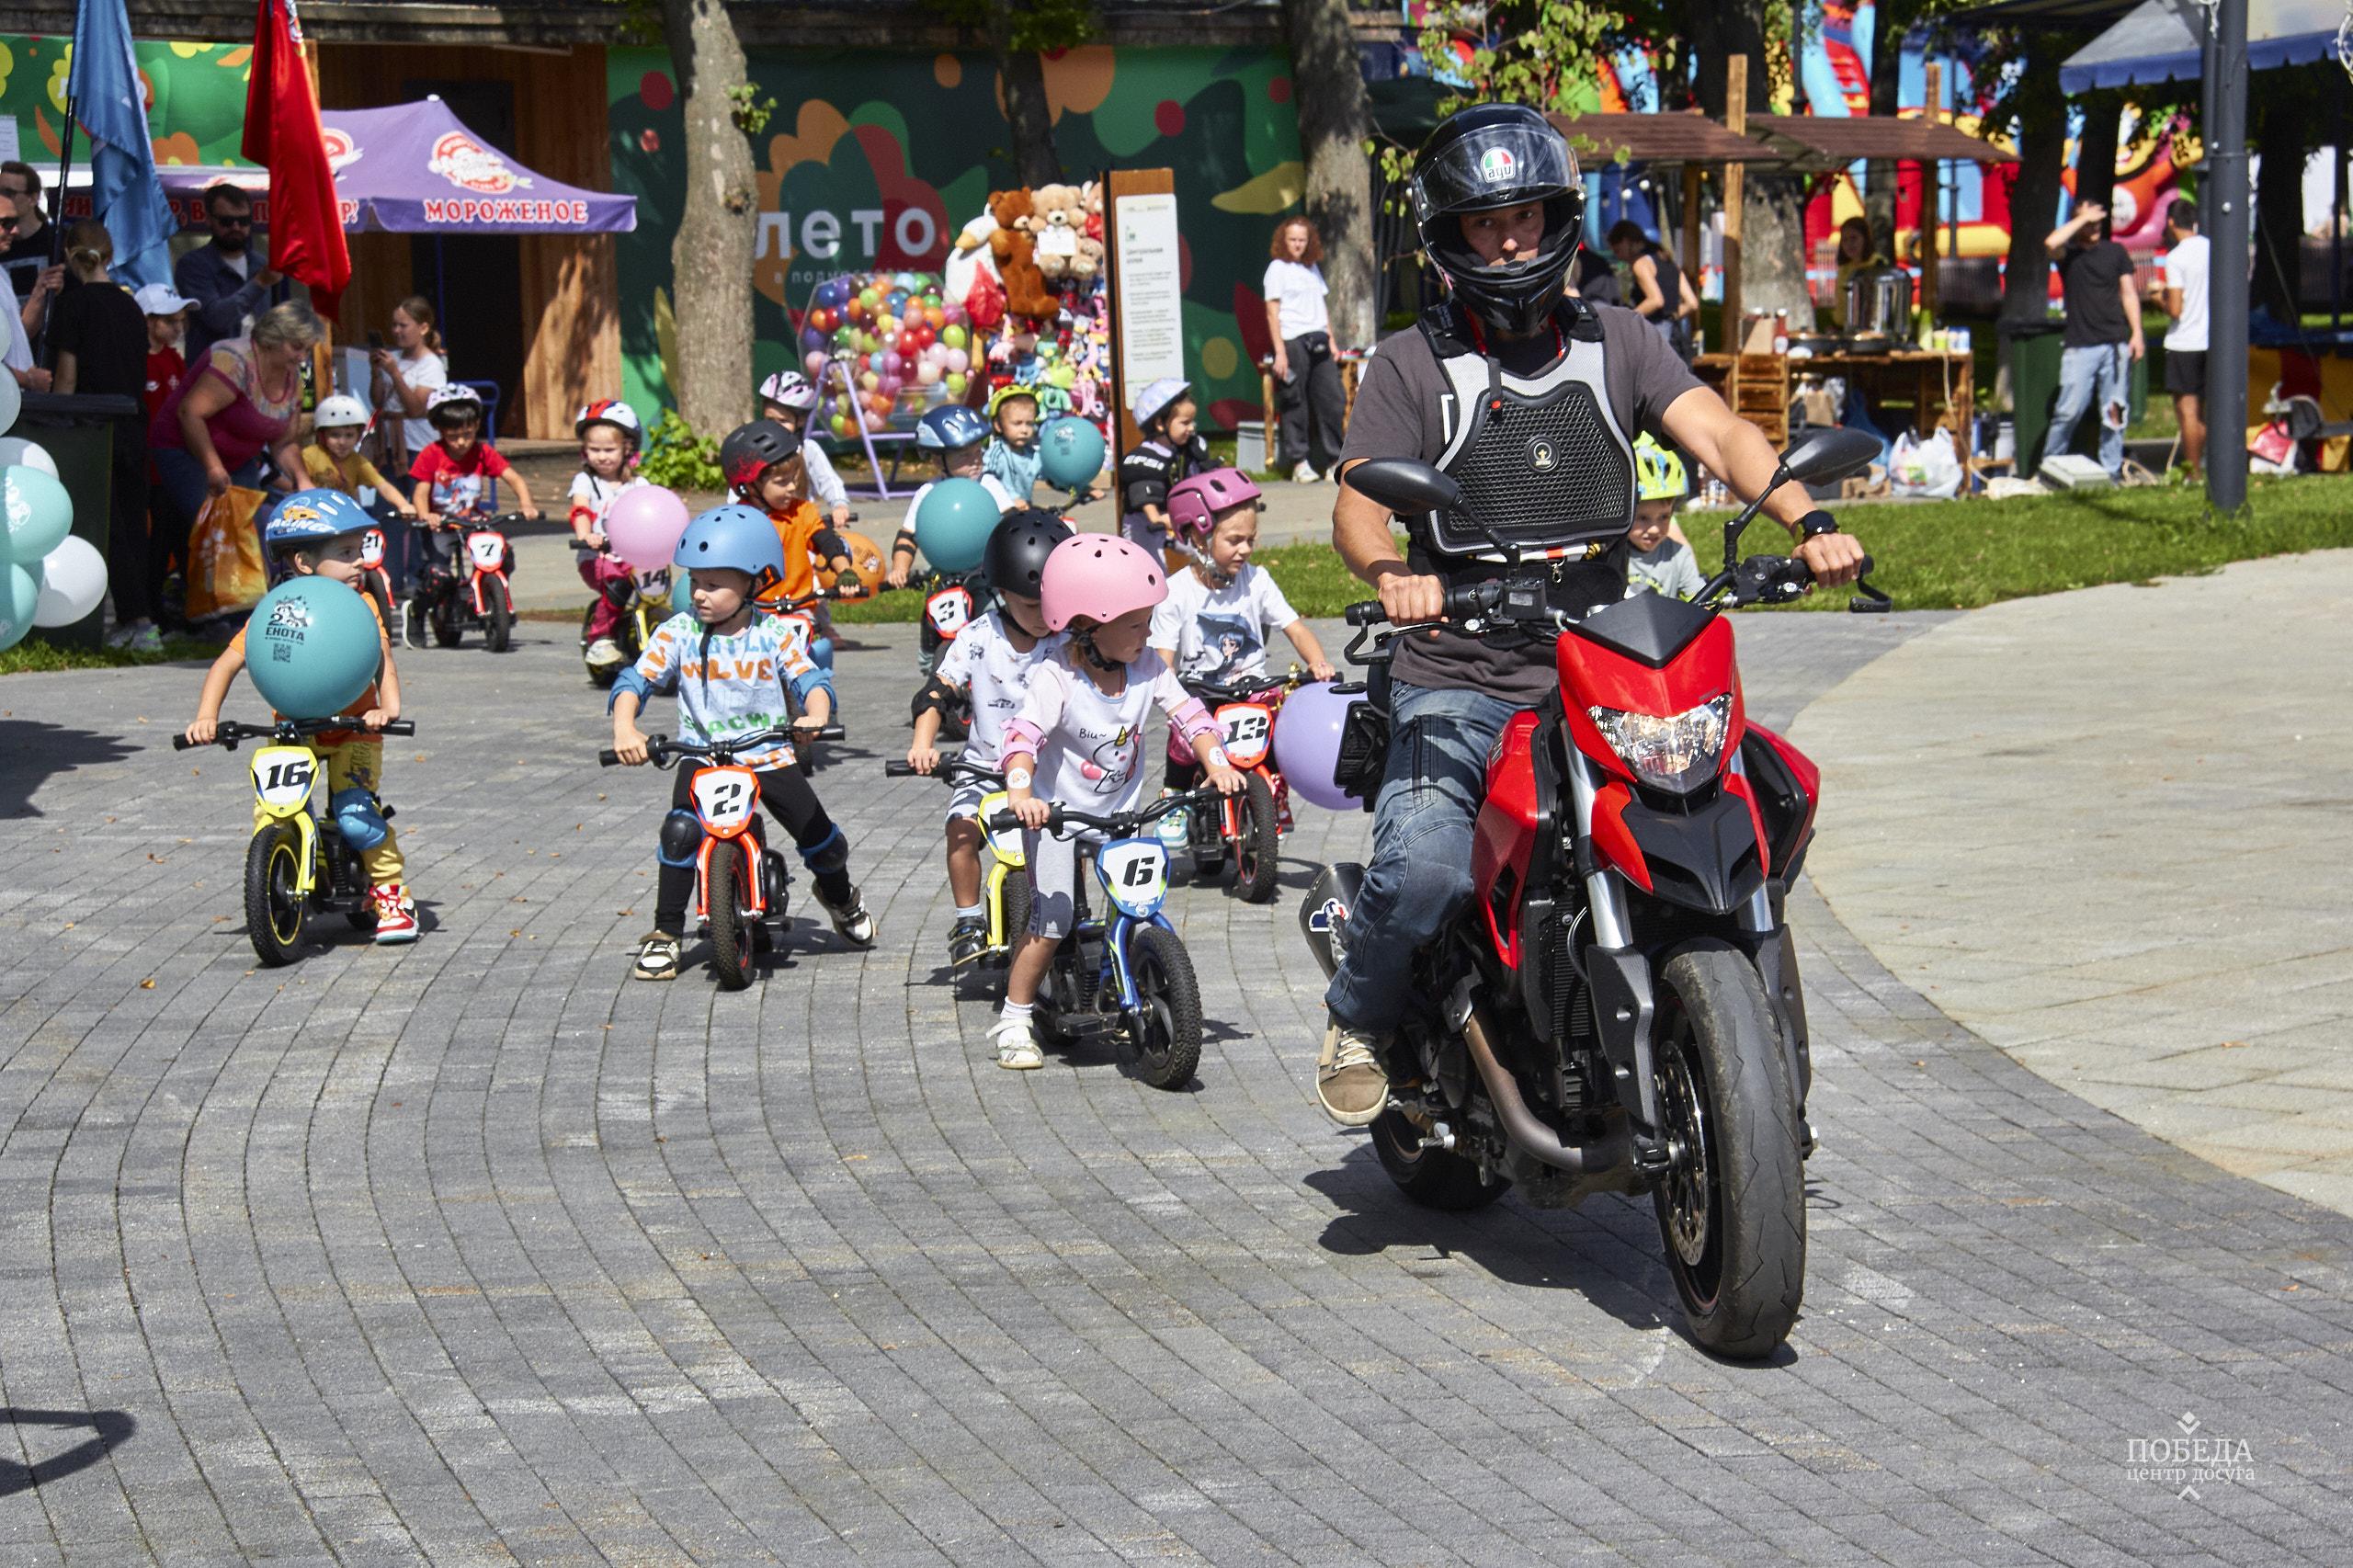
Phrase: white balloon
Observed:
(17, 451)
(12, 396)
(73, 581)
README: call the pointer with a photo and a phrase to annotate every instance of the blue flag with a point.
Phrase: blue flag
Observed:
(125, 194)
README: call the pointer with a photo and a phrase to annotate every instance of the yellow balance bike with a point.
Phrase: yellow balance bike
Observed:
(1004, 881)
(298, 861)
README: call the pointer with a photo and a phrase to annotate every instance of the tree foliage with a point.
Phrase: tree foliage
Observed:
(1537, 53)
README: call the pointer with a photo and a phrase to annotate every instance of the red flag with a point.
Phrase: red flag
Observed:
(283, 131)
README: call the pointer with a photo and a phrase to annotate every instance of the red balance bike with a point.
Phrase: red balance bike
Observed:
(1617, 1007)
(742, 888)
(1241, 835)
(463, 582)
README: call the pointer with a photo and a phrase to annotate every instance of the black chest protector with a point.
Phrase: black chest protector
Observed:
(1541, 460)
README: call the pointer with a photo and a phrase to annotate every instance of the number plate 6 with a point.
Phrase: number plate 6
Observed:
(726, 797)
(1249, 729)
(488, 549)
(1135, 871)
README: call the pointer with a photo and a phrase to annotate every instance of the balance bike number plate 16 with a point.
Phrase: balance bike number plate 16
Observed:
(488, 549)
(1135, 871)
(949, 611)
(371, 549)
(725, 799)
(282, 778)
(1249, 729)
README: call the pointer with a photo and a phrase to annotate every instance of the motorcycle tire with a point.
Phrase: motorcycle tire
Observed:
(274, 911)
(731, 926)
(1732, 1209)
(1170, 998)
(1257, 855)
(1435, 1178)
(498, 616)
(448, 631)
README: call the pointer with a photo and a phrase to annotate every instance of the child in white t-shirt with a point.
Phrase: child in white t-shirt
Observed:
(989, 666)
(1081, 728)
(609, 431)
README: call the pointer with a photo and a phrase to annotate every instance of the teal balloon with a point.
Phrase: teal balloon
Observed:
(953, 525)
(1070, 452)
(19, 593)
(312, 647)
(36, 513)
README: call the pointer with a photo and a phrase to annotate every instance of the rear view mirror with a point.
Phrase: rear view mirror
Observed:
(1406, 487)
(1829, 453)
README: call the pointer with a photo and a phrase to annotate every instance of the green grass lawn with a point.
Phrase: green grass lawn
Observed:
(38, 653)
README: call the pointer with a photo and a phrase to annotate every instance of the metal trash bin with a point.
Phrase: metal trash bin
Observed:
(77, 432)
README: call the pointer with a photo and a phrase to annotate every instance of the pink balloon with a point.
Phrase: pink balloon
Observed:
(958, 361)
(888, 362)
(644, 525)
(814, 365)
(928, 373)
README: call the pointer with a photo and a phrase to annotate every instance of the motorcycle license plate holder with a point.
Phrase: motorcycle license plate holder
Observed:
(1134, 874)
(486, 548)
(1249, 731)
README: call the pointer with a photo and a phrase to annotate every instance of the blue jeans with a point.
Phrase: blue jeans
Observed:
(2089, 379)
(1421, 822)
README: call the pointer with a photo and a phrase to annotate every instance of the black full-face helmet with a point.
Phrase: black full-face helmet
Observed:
(1489, 156)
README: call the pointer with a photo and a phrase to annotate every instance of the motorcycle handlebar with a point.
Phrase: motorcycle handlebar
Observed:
(660, 750)
(1121, 822)
(951, 765)
(230, 731)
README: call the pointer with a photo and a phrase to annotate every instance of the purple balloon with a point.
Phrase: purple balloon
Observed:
(889, 360)
(1307, 744)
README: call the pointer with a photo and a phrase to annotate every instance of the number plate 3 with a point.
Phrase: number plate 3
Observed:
(282, 779)
(1134, 872)
(725, 799)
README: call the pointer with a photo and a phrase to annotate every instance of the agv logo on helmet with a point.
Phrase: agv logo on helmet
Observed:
(1497, 165)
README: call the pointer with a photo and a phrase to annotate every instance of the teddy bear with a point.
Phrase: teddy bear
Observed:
(1058, 216)
(1091, 197)
(1014, 246)
(1089, 259)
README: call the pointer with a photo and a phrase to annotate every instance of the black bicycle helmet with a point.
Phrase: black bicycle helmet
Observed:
(1015, 559)
(1493, 155)
(750, 450)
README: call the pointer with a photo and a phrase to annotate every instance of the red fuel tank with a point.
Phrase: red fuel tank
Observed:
(1506, 834)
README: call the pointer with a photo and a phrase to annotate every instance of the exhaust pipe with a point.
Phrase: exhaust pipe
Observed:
(1604, 1155)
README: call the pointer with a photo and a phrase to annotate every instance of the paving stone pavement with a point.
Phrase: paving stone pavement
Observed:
(2139, 798)
(476, 1252)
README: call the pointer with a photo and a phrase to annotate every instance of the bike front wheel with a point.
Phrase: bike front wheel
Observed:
(731, 925)
(497, 615)
(1165, 1034)
(1257, 853)
(274, 906)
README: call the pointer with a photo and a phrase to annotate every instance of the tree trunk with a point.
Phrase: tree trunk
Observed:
(2096, 153)
(2034, 198)
(710, 260)
(1036, 161)
(2286, 128)
(1334, 122)
(1773, 248)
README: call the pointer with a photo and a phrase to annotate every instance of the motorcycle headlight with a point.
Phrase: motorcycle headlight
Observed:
(1678, 752)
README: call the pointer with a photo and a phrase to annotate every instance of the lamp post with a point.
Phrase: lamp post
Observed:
(2227, 259)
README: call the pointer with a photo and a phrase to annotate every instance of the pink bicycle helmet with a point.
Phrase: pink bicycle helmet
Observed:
(1195, 502)
(1100, 576)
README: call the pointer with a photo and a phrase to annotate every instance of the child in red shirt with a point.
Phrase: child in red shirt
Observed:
(453, 474)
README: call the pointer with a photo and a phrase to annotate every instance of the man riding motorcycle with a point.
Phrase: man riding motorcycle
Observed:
(1532, 400)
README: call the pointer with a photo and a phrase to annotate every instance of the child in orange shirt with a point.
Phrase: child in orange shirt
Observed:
(763, 465)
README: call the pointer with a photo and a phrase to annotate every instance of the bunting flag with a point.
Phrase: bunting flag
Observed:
(283, 131)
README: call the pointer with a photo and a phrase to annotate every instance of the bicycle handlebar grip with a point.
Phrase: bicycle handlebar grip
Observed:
(181, 743)
(610, 757)
(1005, 822)
(898, 771)
(399, 727)
(1366, 612)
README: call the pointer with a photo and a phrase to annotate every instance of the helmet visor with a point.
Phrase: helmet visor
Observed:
(1494, 167)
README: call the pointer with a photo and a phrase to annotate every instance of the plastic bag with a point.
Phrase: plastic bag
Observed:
(1930, 466)
(226, 575)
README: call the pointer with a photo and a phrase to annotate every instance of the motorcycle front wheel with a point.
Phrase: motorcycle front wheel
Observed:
(274, 909)
(1166, 1049)
(1732, 1206)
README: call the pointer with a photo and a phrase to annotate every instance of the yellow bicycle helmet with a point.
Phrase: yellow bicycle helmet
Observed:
(1004, 394)
(1658, 473)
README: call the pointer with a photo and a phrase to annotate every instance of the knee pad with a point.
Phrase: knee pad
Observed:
(681, 838)
(829, 855)
(358, 819)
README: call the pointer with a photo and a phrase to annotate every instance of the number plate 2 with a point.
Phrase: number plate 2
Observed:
(949, 611)
(487, 549)
(283, 777)
(1249, 729)
(1135, 871)
(725, 799)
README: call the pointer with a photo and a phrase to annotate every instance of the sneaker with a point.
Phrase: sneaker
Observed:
(850, 919)
(603, 652)
(967, 940)
(122, 636)
(1304, 473)
(147, 640)
(395, 915)
(1348, 1078)
(1017, 1045)
(657, 957)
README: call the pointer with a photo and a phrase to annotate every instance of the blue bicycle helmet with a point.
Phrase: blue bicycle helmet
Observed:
(740, 537)
(950, 427)
(310, 516)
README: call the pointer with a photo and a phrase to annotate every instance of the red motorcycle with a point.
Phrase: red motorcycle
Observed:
(1619, 1008)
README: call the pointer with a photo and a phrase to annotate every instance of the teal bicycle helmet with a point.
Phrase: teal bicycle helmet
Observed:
(737, 537)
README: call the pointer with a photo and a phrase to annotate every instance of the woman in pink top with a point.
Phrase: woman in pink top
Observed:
(237, 404)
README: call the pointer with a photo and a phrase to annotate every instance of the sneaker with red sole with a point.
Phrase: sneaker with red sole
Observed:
(395, 913)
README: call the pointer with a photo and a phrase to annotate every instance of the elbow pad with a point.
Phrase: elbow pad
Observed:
(1022, 736)
(936, 697)
(1193, 720)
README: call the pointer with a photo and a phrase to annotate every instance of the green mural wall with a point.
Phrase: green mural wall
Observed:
(196, 97)
(880, 159)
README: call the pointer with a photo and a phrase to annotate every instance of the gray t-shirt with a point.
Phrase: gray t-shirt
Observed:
(1396, 416)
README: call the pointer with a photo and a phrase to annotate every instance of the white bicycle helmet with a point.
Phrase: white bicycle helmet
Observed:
(791, 389)
(339, 411)
(1156, 397)
(456, 399)
(609, 411)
